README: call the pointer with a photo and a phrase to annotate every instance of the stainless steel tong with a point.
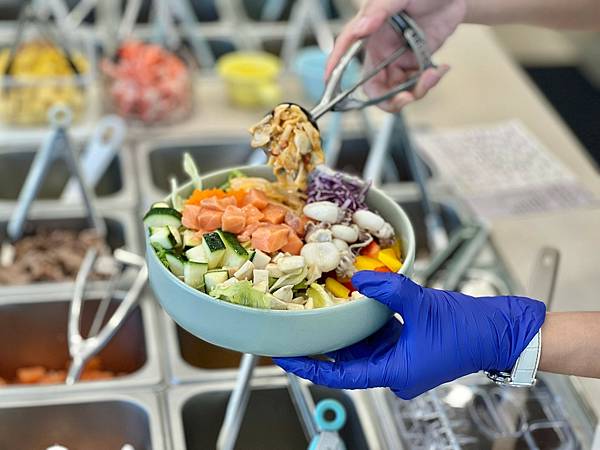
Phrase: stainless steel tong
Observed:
(336, 99)
(82, 349)
(27, 14)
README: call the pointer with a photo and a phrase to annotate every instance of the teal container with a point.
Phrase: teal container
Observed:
(275, 332)
(310, 64)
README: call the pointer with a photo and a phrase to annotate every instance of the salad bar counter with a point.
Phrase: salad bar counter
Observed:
(156, 385)
(248, 255)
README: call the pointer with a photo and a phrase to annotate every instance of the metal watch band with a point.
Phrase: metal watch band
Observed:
(525, 369)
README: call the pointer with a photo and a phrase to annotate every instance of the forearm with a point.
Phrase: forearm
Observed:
(573, 14)
(571, 344)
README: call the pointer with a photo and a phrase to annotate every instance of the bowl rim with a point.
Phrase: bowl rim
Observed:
(410, 255)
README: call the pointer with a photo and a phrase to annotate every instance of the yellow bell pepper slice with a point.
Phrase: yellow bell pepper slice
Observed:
(337, 288)
(388, 257)
(366, 263)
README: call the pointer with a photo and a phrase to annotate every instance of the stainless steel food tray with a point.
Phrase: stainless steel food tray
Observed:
(87, 420)
(116, 187)
(33, 331)
(122, 231)
(196, 413)
(190, 359)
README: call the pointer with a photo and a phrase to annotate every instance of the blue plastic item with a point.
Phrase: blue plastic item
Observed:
(271, 332)
(309, 65)
(328, 439)
(446, 335)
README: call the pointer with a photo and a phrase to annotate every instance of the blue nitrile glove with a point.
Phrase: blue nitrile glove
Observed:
(446, 335)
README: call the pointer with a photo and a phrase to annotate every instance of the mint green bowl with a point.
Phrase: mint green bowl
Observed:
(274, 332)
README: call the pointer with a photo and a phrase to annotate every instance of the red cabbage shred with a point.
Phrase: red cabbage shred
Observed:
(349, 193)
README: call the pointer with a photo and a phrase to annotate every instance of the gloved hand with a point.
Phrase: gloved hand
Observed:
(437, 18)
(445, 335)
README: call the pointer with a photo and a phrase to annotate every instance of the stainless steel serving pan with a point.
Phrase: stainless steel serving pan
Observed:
(90, 421)
(270, 422)
(122, 231)
(116, 187)
(33, 331)
(190, 359)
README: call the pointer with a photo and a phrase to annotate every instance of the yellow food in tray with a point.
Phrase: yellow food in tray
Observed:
(39, 78)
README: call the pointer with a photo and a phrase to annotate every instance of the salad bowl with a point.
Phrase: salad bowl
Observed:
(270, 332)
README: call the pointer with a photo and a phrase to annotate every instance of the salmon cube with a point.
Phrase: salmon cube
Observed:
(274, 214)
(233, 220)
(294, 244)
(270, 239)
(209, 219)
(253, 214)
(256, 198)
(296, 222)
(189, 216)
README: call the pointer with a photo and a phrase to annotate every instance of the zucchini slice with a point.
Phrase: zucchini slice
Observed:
(162, 217)
(193, 274)
(197, 254)
(214, 277)
(235, 254)
(214, 249)
(175, 264)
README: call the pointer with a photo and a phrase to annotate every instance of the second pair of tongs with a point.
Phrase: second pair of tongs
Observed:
(337, 99)
(82, 349)
(28, 14)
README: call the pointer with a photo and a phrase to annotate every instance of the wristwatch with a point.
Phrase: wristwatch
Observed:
(525, 369)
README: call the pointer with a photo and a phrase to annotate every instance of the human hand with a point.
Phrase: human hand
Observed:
(445, 335)
(437, 18)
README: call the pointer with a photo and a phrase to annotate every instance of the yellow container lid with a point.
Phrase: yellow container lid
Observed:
(248, 66)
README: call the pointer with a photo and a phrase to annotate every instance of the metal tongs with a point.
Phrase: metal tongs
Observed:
(28, 14)
(336, 99)
(82, 349)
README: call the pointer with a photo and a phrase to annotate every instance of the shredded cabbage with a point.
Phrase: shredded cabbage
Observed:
(349, 193)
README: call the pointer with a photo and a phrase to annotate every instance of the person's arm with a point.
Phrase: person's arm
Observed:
(571, 344)
(447, 335)
(572, 14)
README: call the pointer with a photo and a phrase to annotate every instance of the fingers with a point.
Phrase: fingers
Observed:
(397, 292)
(366, 22)
(427, 81)
(337, 375)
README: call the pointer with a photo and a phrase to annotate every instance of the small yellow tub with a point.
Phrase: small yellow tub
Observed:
(251, 78)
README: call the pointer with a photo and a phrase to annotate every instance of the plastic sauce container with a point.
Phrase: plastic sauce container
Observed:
(251, 78)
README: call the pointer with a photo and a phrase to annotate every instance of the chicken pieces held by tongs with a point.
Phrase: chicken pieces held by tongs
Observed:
(292, 143)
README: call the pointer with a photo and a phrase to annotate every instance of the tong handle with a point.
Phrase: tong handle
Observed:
(335, 99)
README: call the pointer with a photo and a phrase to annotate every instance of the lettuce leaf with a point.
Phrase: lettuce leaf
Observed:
(242, 293)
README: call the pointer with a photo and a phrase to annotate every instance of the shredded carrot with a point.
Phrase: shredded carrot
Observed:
(199, 195)
(238, 194)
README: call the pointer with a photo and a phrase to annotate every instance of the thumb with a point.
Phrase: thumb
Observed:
(397, 292)
(365, 23)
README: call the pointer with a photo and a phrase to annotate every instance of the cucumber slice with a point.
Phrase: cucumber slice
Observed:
(235, 254)
(213, 278)
(197, 254)
(193, 274)
(190, 239)
(176, 235)
(214, 249)
(161, 238)
(162, 217)
(175, 264)
(160, 205)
